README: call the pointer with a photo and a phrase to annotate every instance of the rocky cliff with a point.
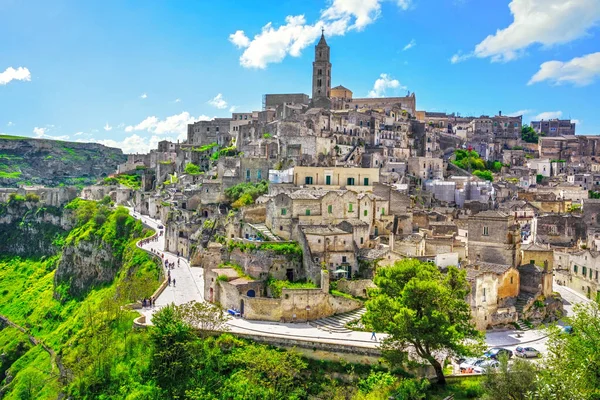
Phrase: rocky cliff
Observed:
(54, 162)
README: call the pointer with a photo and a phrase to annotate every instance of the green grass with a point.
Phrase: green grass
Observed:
(276, 286)
(462, 388)
(130, 181)
(11, 137)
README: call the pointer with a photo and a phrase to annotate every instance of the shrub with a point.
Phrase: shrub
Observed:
(192, 169)
(487, 175)
(34, 198)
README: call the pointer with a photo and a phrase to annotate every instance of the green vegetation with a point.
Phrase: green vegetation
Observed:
(230, 151)
(275, 286)
(92, 334)
(11, 137)
(246, 193)
(487, 175)
(593, 195)
(289, 249)
(418, 306)
(267, 136)
(539, 178)
(204, 148)
(192, 169)
(528, 135)
(130, 181)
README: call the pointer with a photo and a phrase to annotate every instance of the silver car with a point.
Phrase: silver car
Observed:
(470, 363)
(485, 365)
(527, 352)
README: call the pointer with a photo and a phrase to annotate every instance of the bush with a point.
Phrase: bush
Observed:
(34, 198)
(249, 191)
(376, 380)
(192, 169)
(487, 175)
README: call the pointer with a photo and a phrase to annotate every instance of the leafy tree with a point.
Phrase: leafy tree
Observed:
(487, 175)
(573, 361)
(514, 382)
(206, 317)
(528, 134)
(539, 178)
(192, 169)
(246, 193)
(468, 160)
(174, 353)
(423, 309)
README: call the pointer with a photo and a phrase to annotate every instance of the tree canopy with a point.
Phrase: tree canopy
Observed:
(422, 309)
(528, 134)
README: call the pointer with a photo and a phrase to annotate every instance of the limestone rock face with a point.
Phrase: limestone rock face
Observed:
(84, 265)
(51, 162)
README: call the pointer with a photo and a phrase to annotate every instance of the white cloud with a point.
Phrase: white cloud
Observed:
(233, 108)
(40, 133)
(239, 39)
(143, 96)
(177, 101)
(273, 44)
(174, 124)
(78, 133)
(459, 57)
(107, 127)
(383, 83)
(520, 113)
(11, 74)
(547, 115)
(547, 22)
(404, 4)
(410, 45)
(576, 121)
(218, 101)
(579, 71)
(10, 123)
(131, 144)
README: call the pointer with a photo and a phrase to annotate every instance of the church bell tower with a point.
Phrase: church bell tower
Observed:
(321, 82)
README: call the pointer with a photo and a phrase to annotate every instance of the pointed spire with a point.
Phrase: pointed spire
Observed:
(322, 41)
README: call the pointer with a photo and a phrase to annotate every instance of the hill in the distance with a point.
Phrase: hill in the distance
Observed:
(31, 161)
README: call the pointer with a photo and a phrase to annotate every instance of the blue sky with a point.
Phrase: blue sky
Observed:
(130, 73)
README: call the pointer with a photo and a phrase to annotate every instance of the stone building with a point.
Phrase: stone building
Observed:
(554, 127)
(494, 237)
(207, 132)
(579, 270)
(321, 76)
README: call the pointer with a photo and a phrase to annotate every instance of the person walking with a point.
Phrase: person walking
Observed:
(169, 279)
(173, 282)
(373, 337)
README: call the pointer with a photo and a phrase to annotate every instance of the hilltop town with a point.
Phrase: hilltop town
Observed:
(327, 188)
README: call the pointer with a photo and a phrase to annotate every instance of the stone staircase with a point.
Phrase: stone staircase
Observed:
(522, 325)
(337, 323)
(522, 301)
(262, 228)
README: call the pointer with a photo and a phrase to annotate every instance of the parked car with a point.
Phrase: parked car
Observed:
(161, 227)
(527, 352)
(495, 353)
(487, 364)
(470, 363)
(568, 329)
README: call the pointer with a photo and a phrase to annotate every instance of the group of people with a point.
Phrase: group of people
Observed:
(171, 265)
(169, 278)
(148, 302)
(144, 242)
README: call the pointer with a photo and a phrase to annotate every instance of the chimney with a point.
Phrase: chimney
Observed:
(499, 113)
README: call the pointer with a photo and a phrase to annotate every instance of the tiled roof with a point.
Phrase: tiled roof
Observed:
(476, 269)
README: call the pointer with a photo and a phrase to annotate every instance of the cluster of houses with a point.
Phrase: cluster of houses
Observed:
(356, 184)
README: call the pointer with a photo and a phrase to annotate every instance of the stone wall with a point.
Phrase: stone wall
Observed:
(357, 288)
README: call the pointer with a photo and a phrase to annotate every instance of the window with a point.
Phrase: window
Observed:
(328, 179)
(483, 294)
(344, 259)
(259, 174)
(362, 241)
(208, 129)
(280, 227)
(330, 209)
(596, 275)
(366, 213)
(366, 181)
(283, 211)
(485, 231)
(350, 205)
(511, 280)
(584, 271)
(575, 268)
(247, 174)
(307, 212)
(308, 180)
(532, 262)
(350, 181)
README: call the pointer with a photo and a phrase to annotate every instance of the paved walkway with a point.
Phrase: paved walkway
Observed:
(190, 286)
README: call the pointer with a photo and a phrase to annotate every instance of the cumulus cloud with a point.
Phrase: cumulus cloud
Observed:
(410, 45)
(459, 57)
(218, 101)
(547, 115)
(10, 123)
(273, 44)
(107, 127)
(40, 133)
(547, 22)
(579, 71)
(143, 96)
(233, 108)
(11, 74)
(177, 101)
(383, 83)
(174, 124)
(520, 113)
(131, 144)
